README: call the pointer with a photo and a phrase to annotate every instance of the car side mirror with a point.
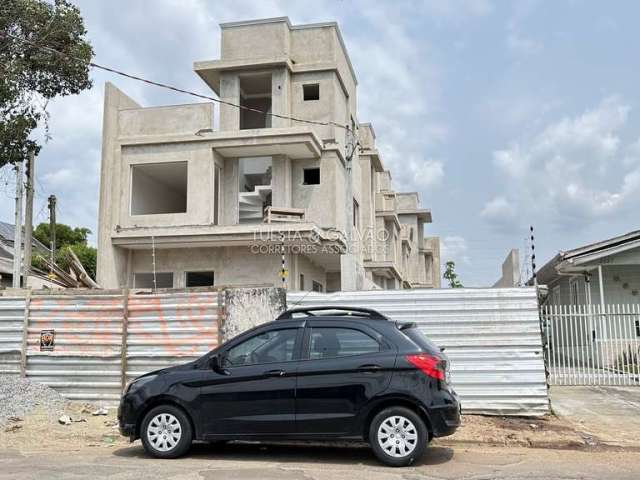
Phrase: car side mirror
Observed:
(215, 363)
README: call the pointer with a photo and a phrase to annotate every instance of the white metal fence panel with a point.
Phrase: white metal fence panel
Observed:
(491, 336)
(11, 327)
(169, 329)
(592, 345)
(85, 361)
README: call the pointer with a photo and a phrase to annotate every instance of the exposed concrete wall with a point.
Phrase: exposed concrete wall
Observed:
(231, 265)
(300, 264)
(246, 308)
(510, 270)
(110, 261)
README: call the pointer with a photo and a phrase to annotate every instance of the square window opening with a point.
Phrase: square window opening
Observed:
(145, 280)
(199, 279)
(255, 93)
(316, 287)
(311, 91)
(158, 188)
(311, 176)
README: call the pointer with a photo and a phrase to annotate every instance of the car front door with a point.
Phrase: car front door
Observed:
(343, 365)
(253, 393)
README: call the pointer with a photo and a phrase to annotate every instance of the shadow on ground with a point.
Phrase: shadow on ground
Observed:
(290, 453)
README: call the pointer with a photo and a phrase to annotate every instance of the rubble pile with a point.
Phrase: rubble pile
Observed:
(19, 396)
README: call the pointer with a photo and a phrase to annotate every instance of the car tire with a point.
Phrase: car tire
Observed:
(398, 436)
(166, 432)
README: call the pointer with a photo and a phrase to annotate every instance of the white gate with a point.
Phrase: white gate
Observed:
(591, 345)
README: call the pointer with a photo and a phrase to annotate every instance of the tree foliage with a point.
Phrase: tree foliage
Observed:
(67, 238)
(30, 75)
(451, 276)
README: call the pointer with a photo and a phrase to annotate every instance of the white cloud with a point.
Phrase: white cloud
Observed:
(575, 170)
(454, 248)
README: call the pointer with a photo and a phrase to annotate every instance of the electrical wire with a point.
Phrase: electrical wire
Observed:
(180, 90)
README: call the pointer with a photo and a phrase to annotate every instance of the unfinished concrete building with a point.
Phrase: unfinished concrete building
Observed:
(183, 204)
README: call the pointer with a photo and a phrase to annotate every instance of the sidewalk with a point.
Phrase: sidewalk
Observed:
(611, 415)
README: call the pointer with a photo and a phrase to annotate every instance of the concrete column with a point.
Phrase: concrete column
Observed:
(281, 181)
(280, 98)
(229, 92)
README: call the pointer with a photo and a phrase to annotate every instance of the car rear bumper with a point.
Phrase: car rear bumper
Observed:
(446, 418)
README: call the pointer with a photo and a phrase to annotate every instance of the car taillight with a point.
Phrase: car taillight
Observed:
(431, 366)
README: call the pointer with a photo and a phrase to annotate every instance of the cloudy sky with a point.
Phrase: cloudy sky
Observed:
(501, 114)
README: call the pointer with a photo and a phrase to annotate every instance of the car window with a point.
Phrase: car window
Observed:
(329, 342)
(266, 347)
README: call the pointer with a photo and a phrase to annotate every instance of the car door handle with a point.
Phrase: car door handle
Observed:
(275, 373)
(370, 368)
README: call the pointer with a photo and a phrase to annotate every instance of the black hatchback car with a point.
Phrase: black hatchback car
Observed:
(322, 373)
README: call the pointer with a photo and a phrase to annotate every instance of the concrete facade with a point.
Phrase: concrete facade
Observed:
(196, 205)
(510, 271)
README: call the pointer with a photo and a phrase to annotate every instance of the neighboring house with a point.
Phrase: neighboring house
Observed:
(37, 279)
(510, 271)
(182, 205)
(602, 273)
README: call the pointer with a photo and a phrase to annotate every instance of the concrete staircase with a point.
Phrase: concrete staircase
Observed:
(252, 204)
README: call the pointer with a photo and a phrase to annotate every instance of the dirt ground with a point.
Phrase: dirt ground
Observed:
(38, 432)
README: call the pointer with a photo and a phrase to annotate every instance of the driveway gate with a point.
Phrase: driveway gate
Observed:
(591, 345)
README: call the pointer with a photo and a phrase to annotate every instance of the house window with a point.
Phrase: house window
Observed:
(159, 188)
(316, 286)
(356, 214)
(311, 91)
(311, 176)
(255, 95)
(637, 328)
(301, 282)
(146, 280)
(199, 279)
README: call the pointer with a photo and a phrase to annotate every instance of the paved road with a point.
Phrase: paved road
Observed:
(239, 462)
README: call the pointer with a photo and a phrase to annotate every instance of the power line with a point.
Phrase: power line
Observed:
(180, 90)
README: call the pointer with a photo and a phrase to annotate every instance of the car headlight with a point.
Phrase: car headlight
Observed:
(136, 383)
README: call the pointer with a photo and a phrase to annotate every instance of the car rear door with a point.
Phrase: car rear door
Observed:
(256, 393)
(343, 365)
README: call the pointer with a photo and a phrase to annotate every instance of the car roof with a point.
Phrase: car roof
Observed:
(326, 311)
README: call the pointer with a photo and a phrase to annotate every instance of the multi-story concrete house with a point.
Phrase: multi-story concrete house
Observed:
(183, 204)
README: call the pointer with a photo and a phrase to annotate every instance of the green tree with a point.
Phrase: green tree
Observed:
(67, 238)
(450, 275)
(30, 75)
(65, 235)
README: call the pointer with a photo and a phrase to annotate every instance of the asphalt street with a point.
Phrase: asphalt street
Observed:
(285, 462)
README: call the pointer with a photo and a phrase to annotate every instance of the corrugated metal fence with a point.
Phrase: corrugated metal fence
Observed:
(104, 340)
(11, 326)
(491, 336)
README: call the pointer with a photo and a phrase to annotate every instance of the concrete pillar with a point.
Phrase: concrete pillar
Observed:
(229, 92)
(281, 181)
(280, 98)
(246, 308)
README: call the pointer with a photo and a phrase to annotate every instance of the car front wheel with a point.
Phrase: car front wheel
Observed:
(166, 432)
(398, 436)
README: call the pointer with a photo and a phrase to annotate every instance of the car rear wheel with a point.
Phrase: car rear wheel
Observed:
(398, 436)
(166, 432)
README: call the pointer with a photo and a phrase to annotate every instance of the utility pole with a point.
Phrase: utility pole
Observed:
(52, 230)
(28, 216)
(17, 228)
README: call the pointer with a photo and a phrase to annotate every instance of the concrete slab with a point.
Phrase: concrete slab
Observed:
(609, 414)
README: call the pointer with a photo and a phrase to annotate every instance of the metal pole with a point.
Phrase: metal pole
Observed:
(28, 216)
(17, 229)
(52, 229)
